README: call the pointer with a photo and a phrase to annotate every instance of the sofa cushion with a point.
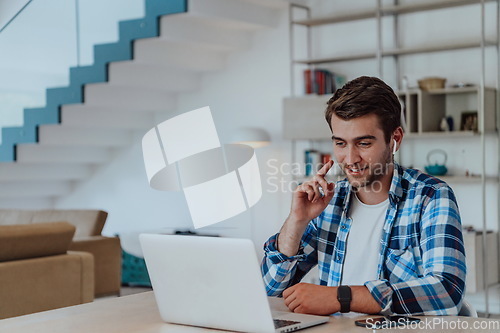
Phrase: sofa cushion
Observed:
(34, 240)
(88, 222)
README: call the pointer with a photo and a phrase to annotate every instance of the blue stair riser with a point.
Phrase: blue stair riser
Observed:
(122, 50)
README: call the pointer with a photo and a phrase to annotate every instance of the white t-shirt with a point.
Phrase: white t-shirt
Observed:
(363, 242)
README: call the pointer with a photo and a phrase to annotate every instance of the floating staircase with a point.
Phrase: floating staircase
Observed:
(158, 57)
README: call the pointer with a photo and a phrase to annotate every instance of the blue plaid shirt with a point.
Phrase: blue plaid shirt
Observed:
(421, 267)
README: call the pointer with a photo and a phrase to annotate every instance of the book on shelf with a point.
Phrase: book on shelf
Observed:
(314, 160)
(322, 81)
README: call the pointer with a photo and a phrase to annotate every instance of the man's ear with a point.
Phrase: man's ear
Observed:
(397, 136)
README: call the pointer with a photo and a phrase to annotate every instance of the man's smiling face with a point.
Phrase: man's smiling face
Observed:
(360, 149)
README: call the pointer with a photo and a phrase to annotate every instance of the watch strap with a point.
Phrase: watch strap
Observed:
(344, 296)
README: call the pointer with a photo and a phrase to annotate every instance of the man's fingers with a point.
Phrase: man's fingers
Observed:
(289, 299)
(304, 188)
(310, 193)
(288, 291)
(322, 182)
(317, 193)
(323, 171)
(311, 189)
(299, 309)
(293, 305)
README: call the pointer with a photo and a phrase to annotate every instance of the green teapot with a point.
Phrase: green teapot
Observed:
(436, 169)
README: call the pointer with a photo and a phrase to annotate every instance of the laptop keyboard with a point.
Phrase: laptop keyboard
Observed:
(279, 323)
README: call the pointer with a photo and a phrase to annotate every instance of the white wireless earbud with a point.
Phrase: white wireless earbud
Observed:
(395, 147)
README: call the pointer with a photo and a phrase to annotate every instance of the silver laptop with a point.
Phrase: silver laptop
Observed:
(213, 282)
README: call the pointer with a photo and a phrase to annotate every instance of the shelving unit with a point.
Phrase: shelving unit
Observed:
(394, 11)
(387, 10)
(395, 52)
(423, 110)
(469, 179)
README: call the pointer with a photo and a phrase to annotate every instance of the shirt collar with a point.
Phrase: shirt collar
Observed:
(396, 191)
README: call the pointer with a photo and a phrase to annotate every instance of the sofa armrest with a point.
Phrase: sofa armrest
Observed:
(107, 261)
(40, 284)
(88, 279)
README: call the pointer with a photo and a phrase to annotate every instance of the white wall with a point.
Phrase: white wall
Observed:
(247, 93)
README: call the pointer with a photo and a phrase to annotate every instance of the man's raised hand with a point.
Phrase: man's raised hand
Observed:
(308, 201)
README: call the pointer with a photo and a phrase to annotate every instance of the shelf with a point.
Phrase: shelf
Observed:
(386, 11)
(396, 52)
(451, 90)
(360, 56)
(409, 91)
(467, 179)
(436, 48)
(444, 91)
(362, 15)
(434, 135)
(420, 7)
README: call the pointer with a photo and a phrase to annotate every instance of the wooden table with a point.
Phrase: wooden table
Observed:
(138, 313)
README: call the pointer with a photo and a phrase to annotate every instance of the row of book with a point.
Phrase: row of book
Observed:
(322, 81)
(314, 161)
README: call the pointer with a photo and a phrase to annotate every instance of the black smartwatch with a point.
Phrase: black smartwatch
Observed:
(344, 297)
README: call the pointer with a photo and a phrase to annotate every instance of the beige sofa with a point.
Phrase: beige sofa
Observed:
(37, 272)
(89, 224)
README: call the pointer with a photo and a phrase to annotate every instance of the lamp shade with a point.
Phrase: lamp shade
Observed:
(251, 136)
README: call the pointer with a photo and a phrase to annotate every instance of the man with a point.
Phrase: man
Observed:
(386, 239)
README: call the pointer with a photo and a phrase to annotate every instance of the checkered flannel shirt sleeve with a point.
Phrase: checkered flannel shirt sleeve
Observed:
(441, 288)
(279, 271)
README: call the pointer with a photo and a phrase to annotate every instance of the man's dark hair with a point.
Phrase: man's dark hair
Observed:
(366, 95)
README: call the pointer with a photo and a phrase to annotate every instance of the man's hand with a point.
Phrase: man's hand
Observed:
(322, 300)
(308, 202)
(312, 299)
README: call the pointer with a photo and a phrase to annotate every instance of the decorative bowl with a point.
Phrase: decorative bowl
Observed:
(431, 83)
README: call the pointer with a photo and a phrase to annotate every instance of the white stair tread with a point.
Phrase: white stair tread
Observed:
(16, 171)
(130, 73)
(131, 98)
(181, 55)
(85, 116)
(275, 4)
(65, 135)
(38, 153)
(33, 202)
(22, 189)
